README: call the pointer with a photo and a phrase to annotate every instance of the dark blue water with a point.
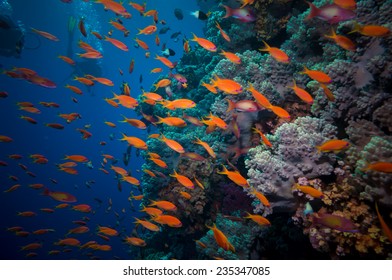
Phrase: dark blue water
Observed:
(40, 55)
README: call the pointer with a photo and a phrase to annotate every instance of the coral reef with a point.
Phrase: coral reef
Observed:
(273, 172)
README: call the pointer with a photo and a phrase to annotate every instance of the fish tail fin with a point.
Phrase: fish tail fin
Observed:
(229, 11)
(357, 28)
(332, 35)
(217, 25)
(305, 70)
(224, 171)
(194, 37)
(231, 105)
(314, 11)
(266, 47)
(293, 86)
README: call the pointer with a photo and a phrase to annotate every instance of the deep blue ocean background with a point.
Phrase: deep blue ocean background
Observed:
(40, 55)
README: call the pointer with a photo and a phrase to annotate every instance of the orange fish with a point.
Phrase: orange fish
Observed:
(380, 166)
(148, 30)
(235, 176)
(152, 211)
(162, 83)
(179, 104)
(84, 81)
(319, 76)
(45, 35)
(82, 208)
(280, 112)
(232, 57)
(101, 80)
(152, 95)
(55, 125)
(68, 242)
(183, 180)
(119, 170)
(301, 93)
(185, 195)
(169, 220)
(29, 119)
(371, 30)
(216, 121)
(140, 8)
(60, 196)
(126, 101)
(276, 53)
(135, 241)
(31, 246)
(263, 137)
(260, 220)
(135, 142)
(346, 4)
(223, 33)
(74, 89)
(210, 88)
(135, 122)
(115, 7)
(77, 158)
(172, 144)
(146, 224)
(342, 41)
(67, 59)
(6, 139)
(158, 162)
(207, 147)
(117, 43)
(164, 204)
(110, 124)
(172, 121)
(186, 46)
(165, 61)
(226, 85)
(27, 214)
(149, 172)
(387, 231)
(157, 40)
(131, 180)
(204, 43)
(78, 230)
(221, 239)
(97, 35)
(309, 190)
(142, 44)
(156, 70)
(107, 231)
(13, 188)
(334, 145)
(261, 197)
(328, 93)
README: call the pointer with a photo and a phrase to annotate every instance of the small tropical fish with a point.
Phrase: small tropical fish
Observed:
(260, 197)
(179, 104)
(142, 44)
(342, 41)
(107, 231)
(78, 230)
(232, 57)
(152, 211)
(387, 231)
(31, 246)
(140, 8)
(199, 15)
(243, 106)
(158, 162)
(328, 92)
(263, 137)
(172, 144)
(45, 35)
(242, 14)
(335, 222)
(77, 158)
(216, 121)
(164, 204)
(146, 224)
(235, 176)
(148, 30)
(82, 28)
(204, 43)
(126, 101)
(309, 190)
(371, 30)
(119, 170)
(169, 220)
(131, 180)
(246, 2)
(226, 85)
(207, 147)
(60, 196)
(117, 43)
(210, 88)
(380, 166)
(331, 13)
(172, 121)
(13, 188)
(135, 142)
(27, 214)
(301, 93)
(115, 7)
(280, 112)
(85, 208)
(67, 59)
(222, 32)
(260, 220)
(68, 242)
(162, 83)
(135, 122)
(276, 53)
(221, 239)
(5, 139)
(156, 70)
(135, 241)
(183, 180)
(319, 76)
(346, 4)
(43, 231)
(334, 145)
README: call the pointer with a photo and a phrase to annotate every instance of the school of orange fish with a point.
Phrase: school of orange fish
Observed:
(162, 212)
